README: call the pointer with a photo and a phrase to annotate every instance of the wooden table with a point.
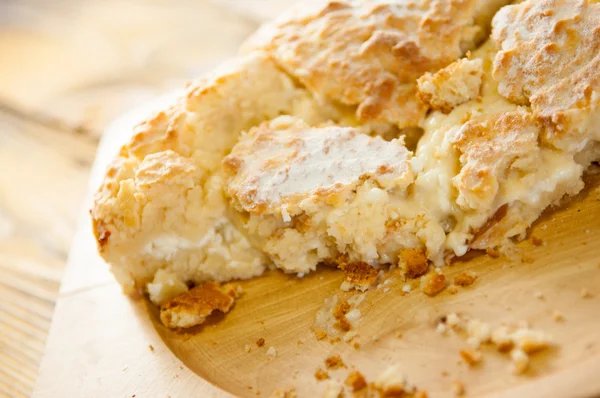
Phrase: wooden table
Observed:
(67, 68)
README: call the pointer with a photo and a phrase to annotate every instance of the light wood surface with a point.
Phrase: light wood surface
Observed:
(67, 68)
(72, 67)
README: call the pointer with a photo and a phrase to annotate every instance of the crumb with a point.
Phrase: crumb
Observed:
(458, 388)
(260, 342)
(358, 275)
(320, 335)
(272, 352)
(527, 259)
(413, 262)
(452, 320)
(536, 241)
(444, 373)
(493, 253)
(452, 289)
(539, 295)
(502, 339)
(520, 361)
(356, 345)
(406, 288)
(124, 368)
(356, 381)
(334, 362)
(321, 374)
(300, 341)
(289, 392)
(334, 389)
(386, 290)
(421, 394)
(557, 316)
(151, 348)
(441, 328)
(339, 313)
(585, 293)
(194, 306)
(180, 367)
(465, 279)
(471, 357)
(433, 283)
(247, 348)
(391, 383)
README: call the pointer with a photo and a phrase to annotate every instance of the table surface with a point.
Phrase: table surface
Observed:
(67, 68)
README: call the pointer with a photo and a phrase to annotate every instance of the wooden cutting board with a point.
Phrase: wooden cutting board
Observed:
(102, 344)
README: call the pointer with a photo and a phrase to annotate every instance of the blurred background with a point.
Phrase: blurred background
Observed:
(67, 69)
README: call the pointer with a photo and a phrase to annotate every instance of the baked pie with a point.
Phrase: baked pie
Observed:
(359, 131)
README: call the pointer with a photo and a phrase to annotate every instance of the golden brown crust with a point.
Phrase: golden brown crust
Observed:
(414, 262)
(356, 381)
(433, 283)
(368, 54)
(359, 274)
(454, 85)
(549, 57)
(490, 148)
(191, 308)
(161, 204)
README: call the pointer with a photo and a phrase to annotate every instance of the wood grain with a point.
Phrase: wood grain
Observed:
(69, 67)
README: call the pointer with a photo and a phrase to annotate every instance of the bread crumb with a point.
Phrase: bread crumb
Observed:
(413, 262)
(558, 316)
(452, 289)
(289, 392)
(441, 328)
(520, 361)
(260, 342)
(358, 275)
(356, 381)
(272, 352)
(247, 348)
(321, 374)
(458, 388)
(320, 335)
(465, 279)
(453, 320)
(151, 348)
(433, 283)
(536, 241)
(585, 293)
(471, 357)
(492, 253)
(334, 362)
(334, 389)
(391, 383)
(194, 306)
(539, 295)
(406, 288)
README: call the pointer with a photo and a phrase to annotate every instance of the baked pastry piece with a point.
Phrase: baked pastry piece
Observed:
(161, 205)
(307, 195)
(508, 131)
(365, 56)
(482, 174)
